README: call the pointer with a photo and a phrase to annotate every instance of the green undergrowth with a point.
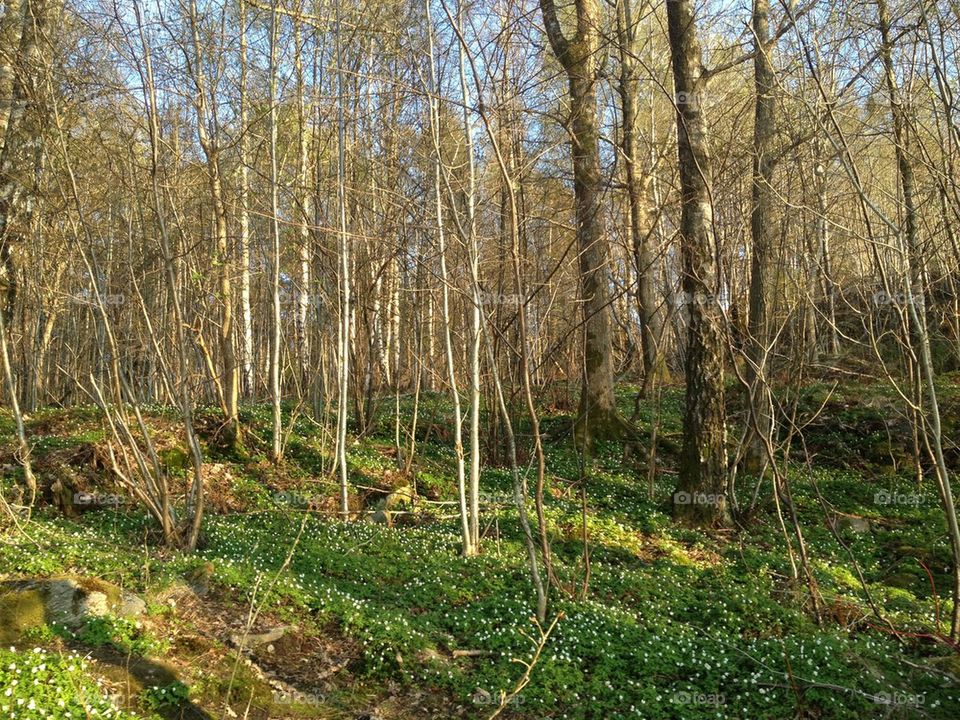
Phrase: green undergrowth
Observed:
(675, 623)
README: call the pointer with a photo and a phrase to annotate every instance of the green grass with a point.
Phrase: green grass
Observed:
(677, 623)
(36, 684)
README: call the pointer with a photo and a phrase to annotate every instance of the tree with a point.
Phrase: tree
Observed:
(638, 190)
(597, 416)
(760, 423)
(468, 534)
(703, 462)
(23, 67)
(915, 303)
(208, 132)
(275, 329)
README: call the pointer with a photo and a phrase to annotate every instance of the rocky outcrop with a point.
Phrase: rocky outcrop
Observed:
(66, 600)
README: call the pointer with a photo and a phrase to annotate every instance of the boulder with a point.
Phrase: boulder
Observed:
(853, 523)
(253, 640)
(402, 498)
(66, 600)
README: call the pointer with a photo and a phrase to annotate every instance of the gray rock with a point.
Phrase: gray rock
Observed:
(67, 600)
(131, 606)
(853, 523)
(403, 498)
(253, 640)
(69, 603)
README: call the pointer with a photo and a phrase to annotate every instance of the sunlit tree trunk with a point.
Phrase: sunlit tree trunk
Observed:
(344, 333)
(597, 417)
(208, 133)
(703, 462)
(243, 217)
(304, 209)
(275, 329)
(760, 424)
(467, 535)
(638, 189)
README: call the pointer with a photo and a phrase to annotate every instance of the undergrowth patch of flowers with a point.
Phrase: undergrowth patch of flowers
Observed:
(675, 626)
(662, 639)
(40, 685)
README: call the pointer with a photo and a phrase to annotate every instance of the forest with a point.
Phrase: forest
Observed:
(521, 359)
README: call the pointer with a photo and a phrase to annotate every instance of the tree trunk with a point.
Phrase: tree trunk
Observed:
(343, 348)
(209, 143)
(275, 318)
(243, 211)
(638, 186)
(33, 17)
(305, 212)
(703, 463)
(597, 417)
(467, 534)
(760, 422)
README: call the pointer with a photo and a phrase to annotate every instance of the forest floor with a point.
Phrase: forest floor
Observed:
(677, 622)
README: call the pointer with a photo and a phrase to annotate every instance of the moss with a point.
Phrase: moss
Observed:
(21, 610)
(400, 498)
(237, 678)
(24, 604)
(902, 581)
(92, 585)
(176, 458)
(123, 678)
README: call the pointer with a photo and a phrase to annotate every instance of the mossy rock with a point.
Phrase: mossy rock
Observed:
(852, 523)
(402, 497)
(66, 600)
(923, 554)
(902, 580)
(176, 458)
(200, 577)
(19, 612)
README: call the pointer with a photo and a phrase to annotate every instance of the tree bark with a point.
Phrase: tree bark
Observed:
(760, 423)
(703, 463)
(597, 417)
(638, 189)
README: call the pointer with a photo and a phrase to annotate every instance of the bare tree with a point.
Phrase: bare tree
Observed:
(703, 464)
(208, 131)
(598, 418)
